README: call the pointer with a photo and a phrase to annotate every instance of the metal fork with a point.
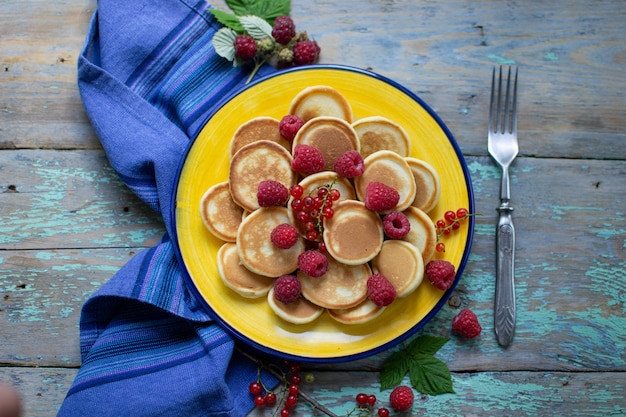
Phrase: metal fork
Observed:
(503, 147)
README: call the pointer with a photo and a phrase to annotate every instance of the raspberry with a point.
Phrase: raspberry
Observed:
(284, 29)
(287, 289)
(441, 273)
(272, 193)
(401, 398)
(380, 290)
(396, 225)
(313, 263)
(350, 164)
(289, 126)
(307, 160)
(466, 324)
(380, 197)
(284, 236)
(245, 47)
(305, 52)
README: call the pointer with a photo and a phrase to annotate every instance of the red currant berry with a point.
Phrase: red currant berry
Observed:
(259, 401)
(383, 412)
(322, 247)
(361, 399)
(313, 235)
(456, 225)
(270, 398)
(440, 247)
(294, 368)
(291, 401)
(371, 399)
(328, 212)
(446, 232)
(314, 213)
(284, 413)
(449, 216)
(297, 204)
(318, 202)
(461, 213)
(335, 194)
(322, 192)
(303, 217)
(309, 202)
(440, 224)
(293, 389)
(296, 191)
(295, 379)
(255, 388)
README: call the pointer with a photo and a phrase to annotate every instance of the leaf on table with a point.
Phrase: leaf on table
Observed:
(430, 375)
(228, 19)
(394, 369)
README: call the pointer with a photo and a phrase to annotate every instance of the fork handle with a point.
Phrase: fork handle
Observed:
(504, 317)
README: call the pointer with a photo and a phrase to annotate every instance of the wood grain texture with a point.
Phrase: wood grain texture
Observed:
(67, 223)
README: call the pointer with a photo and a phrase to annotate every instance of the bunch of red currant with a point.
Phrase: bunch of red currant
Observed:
(311, 209)
(288, 394)
(451, 221)
(365, 406)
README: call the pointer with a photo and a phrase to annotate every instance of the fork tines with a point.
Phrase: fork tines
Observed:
(503, 121)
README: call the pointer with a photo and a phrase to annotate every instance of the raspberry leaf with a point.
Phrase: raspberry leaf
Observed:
(256, 27)
(271, 9)
(394, 369)
(227, 19)
(430, 375)
(242, 7)
(426, 344)
(223, 42)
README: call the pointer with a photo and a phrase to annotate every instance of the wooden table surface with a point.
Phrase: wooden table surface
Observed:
(67, 223)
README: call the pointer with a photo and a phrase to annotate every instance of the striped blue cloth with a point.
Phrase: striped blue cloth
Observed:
(149, 78)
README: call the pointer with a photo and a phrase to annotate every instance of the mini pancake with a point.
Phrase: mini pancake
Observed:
(301, 311)
(320, 100)
(237, 277)
(402, 264)
(256, 162)
(377, 133)
(423, 234)
(320, 179)
(354, 235)
(258, 128)
(219, 212)
(342, 286)
(390, 169)
(427, 184)
(256, 250)
(331, 135)
(362, 313)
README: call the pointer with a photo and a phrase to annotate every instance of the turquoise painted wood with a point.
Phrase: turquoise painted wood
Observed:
(67, 223)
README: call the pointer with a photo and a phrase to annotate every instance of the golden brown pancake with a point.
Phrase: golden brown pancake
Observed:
(301, 311)
(354, 235)
(362, 313)
(258, 128)
(219, 212)
(391, 169)
(427, 184)
(331, 135)
(320, 100)
(402, 264)
(256, 162)
(256, 250)
(237, 277)
(423, 234)
(378, 133)
(342, 286)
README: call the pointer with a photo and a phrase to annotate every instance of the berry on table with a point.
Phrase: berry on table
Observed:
(272, 193)
(440, 273)
(305, 52)
(307, 160)
(245, 47)
(289, 126)
(259, 401)
(350, 164)
(287, 289)
(270, 398)
(284, 29)
(401, 398)
(361, 398)
(383, 412)
(466, 324)
(380, 291)
(284, 236)
(380, 196)
(313, 263)
(396, 225)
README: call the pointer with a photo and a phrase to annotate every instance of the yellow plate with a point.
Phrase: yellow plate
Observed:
(206, 163)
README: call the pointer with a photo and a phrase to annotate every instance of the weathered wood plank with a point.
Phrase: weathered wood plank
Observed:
(58, 199)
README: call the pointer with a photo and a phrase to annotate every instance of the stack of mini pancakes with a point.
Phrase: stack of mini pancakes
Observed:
(248, 262)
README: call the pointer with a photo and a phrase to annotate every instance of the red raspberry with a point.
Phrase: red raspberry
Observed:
(305, 52)
(441, 273)
(396, 225)
(289, 126)
(272, 193)
(466, 324)
(284, 29)
(307, 160)
(245, 47)
(287, 289)
(380, 197)
(284, 236)
(380, 290)
(350, 164)
(313, 263)
(401, 398)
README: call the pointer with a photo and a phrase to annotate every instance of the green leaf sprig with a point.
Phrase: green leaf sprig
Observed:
(427, 374)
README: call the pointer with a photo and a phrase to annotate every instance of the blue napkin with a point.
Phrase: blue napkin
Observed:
(149, 78)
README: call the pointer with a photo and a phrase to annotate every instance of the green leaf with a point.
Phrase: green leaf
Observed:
(394, 369)
(224, 43)
(256, 26)
(271, 9)
(242, 7)
(227, 19)
(430, 375)
(426, 344)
